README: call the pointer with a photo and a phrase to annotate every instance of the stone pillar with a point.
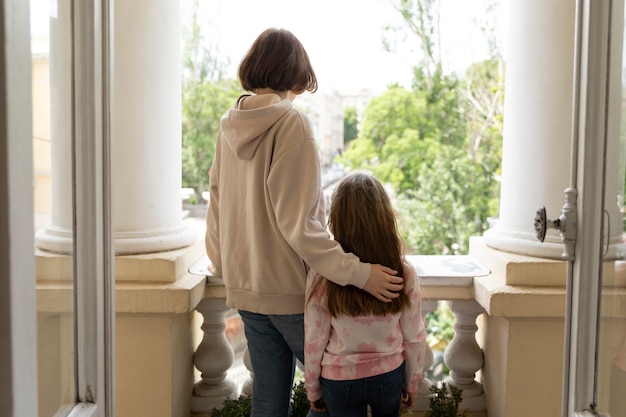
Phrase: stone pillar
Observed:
(615, 159)
(248, 385)
(463, 355)
(57, 235)
(525, 295)
(146, 131)
(536, 160)
(538, 129)
(423, 389)
(213, 358)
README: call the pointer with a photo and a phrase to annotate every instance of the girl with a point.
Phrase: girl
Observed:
(358, 351)
(265, 222)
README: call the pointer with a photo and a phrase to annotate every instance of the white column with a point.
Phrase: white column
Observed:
(536, 158)
(614, 201)
(57, 235)
(147, 128)
(146, 131)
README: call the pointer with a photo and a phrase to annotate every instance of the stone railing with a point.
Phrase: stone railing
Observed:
(448, 278)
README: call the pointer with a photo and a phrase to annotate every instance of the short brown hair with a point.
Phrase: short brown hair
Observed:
(277, 60)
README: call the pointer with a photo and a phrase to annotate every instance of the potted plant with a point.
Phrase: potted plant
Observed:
(242, 406)
(444, 401)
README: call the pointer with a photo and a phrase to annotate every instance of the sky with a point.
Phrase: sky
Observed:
(342, 37)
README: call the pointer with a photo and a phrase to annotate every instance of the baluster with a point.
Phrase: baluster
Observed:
(213, 358)
(246, 389)
(463, 355)
(423, 389)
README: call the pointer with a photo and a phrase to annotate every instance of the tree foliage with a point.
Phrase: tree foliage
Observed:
(439, 144)
(451, 203)
(391, 141)
(206, 94)
(350, 124)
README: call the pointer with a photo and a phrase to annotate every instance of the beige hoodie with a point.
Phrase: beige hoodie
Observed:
(266, 220)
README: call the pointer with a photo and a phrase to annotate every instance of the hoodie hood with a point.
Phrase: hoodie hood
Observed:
(245, 124)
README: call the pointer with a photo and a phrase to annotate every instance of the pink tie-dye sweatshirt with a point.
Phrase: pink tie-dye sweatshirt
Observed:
(346, 347)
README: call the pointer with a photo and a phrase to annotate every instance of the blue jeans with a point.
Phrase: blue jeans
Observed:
(274, 344)
(351, 398)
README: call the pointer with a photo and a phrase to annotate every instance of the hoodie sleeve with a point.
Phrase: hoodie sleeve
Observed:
(212, 237)
(295, 190)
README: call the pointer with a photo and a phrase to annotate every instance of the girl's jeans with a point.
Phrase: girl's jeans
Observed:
(274, 344)
(351, 398)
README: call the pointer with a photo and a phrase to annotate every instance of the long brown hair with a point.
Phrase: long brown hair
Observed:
(363, 221)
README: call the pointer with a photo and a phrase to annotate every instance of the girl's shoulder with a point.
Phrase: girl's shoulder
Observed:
(410, 275)
(315, 287)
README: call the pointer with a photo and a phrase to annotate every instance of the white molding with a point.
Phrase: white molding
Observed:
(18, 355)
(94, 259)
(84, 410)
(591, 124)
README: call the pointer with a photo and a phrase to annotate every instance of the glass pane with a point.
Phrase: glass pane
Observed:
(611, 360)
(51, 92)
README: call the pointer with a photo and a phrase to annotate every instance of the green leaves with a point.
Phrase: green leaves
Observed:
(242, 407)
(444, 192)
(350, 124)
(206, 94)
(437, 145)
(444, 403)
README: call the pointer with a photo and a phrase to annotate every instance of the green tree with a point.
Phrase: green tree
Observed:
(394, 138)
(438, 145)
(451, 203)
(206, 94)
(350, 124)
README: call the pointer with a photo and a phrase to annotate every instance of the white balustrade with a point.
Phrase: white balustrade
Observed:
(441, 278)
(423, 389)
(463, 355)
(213, 358)
(246, 389)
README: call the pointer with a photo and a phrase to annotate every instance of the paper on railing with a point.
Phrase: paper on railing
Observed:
(203, 267)
(447, 269)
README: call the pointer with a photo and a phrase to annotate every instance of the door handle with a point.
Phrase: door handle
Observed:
(565, 223)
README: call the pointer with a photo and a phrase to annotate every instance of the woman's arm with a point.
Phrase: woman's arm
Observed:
(212, 236)
(296, 194)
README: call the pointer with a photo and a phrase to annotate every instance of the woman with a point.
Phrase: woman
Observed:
(265, 222)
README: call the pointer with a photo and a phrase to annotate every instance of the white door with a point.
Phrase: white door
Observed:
(595, 345)
(71, 50)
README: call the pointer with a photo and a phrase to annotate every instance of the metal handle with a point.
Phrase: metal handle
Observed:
(565, 223)
(542, 223)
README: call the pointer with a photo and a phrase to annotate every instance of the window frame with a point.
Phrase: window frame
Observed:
(94, 256)
(93, 245)
(591, 112)
(18, 351)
